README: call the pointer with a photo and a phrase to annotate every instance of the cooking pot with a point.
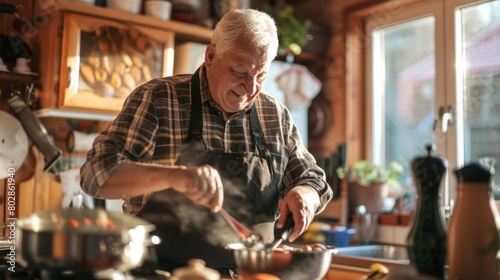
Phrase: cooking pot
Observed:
(286, 262)
(82, 240)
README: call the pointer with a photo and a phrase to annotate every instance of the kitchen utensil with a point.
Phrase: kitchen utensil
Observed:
(289, 263)
(82, 240)
(247, 236)
(36, 131)
(13, 144)
(281, 234)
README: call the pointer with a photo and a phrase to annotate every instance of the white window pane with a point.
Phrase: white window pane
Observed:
(403, 90)
(479, 80)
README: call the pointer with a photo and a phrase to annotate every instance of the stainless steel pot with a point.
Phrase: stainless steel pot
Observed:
(290, 264)
(82, 240)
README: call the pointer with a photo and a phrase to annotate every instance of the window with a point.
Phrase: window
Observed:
(434, 76)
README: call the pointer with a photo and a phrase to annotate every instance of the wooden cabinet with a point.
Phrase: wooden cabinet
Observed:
(91, 57)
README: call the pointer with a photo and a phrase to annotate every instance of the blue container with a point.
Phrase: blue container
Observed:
(339, 237)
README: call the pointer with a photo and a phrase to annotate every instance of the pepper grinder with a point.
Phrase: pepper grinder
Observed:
(426, 240)
(473, 236)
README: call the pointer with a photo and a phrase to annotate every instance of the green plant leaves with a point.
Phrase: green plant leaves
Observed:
(292, 31)
(366, 173)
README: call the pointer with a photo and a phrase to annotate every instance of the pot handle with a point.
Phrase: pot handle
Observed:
(151, 241)
(286, 230)
(282, 234)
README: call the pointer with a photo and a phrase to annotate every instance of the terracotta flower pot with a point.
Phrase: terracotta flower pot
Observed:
(371, 196)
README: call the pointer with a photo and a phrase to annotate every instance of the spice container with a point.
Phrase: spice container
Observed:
(426, 241)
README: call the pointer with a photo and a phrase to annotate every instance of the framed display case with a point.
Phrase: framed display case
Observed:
(102, 61)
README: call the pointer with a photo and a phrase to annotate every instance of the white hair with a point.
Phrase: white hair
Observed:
(249, 25)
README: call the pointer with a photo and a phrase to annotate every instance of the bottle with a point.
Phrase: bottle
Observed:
(473, 240)
(426, 240)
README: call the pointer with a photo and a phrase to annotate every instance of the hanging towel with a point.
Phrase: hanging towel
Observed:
(300, 86)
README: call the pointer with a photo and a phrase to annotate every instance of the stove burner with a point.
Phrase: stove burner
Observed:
(26, 274)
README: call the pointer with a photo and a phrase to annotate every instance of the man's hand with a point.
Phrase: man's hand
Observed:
(201, 184)
(301, 202)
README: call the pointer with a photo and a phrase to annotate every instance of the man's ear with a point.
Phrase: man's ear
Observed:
(209, 55)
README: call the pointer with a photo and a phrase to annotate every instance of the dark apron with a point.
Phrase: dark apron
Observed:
(190, 231)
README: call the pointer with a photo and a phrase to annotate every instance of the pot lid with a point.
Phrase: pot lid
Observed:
(196, 269)
(13, 144)
(83, 220)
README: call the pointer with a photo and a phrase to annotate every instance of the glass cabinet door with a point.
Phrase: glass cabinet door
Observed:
(103, 61)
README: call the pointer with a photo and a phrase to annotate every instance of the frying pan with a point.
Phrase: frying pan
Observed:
(13, 144)
(36, 131)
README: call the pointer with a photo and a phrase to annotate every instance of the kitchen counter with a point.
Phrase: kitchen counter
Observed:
(365, 255)
(354, 262)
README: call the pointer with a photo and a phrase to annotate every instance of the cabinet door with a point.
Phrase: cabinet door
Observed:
(102, 61)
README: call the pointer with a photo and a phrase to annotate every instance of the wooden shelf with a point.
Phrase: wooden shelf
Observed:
(74, 114)
(183, 31)
(11, 76)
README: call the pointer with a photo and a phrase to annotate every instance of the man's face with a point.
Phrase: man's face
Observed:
(236, 78)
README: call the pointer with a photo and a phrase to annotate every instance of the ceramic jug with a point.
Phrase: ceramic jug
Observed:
(426, 240)
(473, 240)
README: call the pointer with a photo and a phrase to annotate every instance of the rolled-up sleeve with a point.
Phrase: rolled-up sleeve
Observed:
(302, 169)
(130, 137)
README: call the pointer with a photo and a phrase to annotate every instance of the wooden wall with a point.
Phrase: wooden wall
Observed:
(341, 90)
(42, 190)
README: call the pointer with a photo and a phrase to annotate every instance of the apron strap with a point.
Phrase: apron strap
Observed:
(257, 132)
(195, 126)
(260, 142)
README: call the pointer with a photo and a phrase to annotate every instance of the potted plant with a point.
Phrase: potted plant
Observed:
(369, 183)
(293, 31)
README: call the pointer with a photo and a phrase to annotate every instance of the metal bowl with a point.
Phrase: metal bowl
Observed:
(290, 264)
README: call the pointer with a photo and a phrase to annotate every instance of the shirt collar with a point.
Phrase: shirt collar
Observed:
(205, 94)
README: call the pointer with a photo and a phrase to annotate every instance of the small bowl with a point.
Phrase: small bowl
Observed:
(339, 237)
(131, 6)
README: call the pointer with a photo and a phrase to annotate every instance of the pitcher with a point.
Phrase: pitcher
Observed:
(473, 240)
